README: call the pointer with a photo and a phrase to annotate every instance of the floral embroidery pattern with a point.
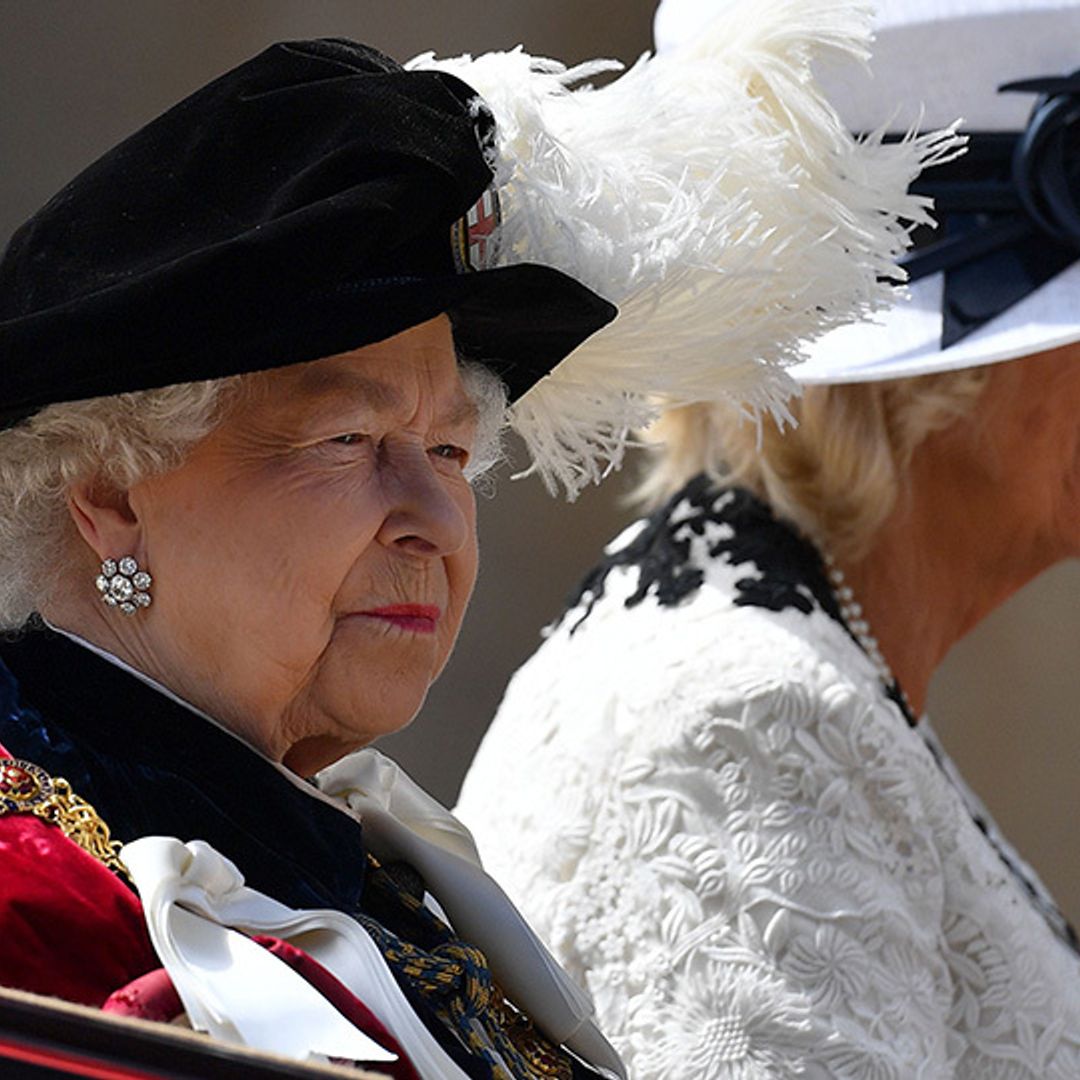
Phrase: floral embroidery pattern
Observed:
(754, 864)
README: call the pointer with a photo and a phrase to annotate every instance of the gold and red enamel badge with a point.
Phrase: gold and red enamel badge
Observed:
(474, 239)
(26, 788)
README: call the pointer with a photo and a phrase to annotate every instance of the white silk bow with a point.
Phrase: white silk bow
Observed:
(198, 911)
(195, 902)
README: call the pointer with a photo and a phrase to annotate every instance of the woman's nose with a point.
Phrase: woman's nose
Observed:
(424, 515)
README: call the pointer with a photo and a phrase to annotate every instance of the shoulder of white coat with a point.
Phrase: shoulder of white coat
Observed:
(651, 685)
(722, 792)
(704, 653)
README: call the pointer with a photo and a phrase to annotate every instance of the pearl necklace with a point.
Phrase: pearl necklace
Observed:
(852, 613)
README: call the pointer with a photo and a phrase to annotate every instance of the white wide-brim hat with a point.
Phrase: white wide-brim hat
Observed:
(934, 62)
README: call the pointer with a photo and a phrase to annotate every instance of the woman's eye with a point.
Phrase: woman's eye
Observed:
(450, 452)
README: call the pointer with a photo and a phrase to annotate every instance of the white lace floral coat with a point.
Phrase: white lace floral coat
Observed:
(702, 796)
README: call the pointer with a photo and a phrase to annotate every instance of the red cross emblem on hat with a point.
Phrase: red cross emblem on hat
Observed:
(475, 238)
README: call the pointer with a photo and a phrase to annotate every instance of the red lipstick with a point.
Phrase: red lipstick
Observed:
(419, 618)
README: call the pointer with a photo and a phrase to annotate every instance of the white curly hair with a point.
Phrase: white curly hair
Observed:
(119, 440)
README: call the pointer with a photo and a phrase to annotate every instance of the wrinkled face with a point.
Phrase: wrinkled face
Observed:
(314, 555)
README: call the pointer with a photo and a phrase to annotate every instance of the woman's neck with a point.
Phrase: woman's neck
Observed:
(949, 554)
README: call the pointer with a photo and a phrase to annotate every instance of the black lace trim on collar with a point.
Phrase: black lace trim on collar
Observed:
(789, 570)
(785, 570)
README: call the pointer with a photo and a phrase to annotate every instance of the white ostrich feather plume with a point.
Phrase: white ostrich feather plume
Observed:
(715, 197)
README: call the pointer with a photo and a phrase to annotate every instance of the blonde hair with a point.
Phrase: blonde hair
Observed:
(838, 473)
(118, 441)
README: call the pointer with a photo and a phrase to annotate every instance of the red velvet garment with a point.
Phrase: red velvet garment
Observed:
(153, 997)
(69, 927)
(150, 997)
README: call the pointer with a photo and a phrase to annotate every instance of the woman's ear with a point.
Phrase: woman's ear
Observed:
(105, 520)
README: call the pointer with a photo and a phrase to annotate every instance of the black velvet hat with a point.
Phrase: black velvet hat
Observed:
(299, 206)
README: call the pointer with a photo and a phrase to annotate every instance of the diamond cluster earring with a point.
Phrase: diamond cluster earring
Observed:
(123, 585)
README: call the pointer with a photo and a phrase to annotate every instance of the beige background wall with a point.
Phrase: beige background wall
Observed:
(77, 75)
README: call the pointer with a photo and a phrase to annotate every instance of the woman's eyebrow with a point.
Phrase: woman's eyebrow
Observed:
(333, 383)
(325, 388)
(463, 410)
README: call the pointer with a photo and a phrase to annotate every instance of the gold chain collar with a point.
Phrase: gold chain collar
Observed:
(26, 788)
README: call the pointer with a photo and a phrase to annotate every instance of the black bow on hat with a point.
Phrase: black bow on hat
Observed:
(298, 206)
(1009, 210)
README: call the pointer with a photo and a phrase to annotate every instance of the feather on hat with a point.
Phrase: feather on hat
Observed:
(714, 195)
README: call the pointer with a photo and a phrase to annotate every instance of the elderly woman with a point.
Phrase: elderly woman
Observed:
(759, 859)
(252, 359)
(240, 579)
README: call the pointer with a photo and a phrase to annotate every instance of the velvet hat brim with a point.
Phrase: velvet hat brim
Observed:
(299, 206)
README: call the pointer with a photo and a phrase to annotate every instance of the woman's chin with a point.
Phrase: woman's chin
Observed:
(308, 755)
(352, 719)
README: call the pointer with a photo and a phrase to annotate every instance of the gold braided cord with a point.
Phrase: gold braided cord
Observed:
(455, 978)
(544, 1057)
(26, 788)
